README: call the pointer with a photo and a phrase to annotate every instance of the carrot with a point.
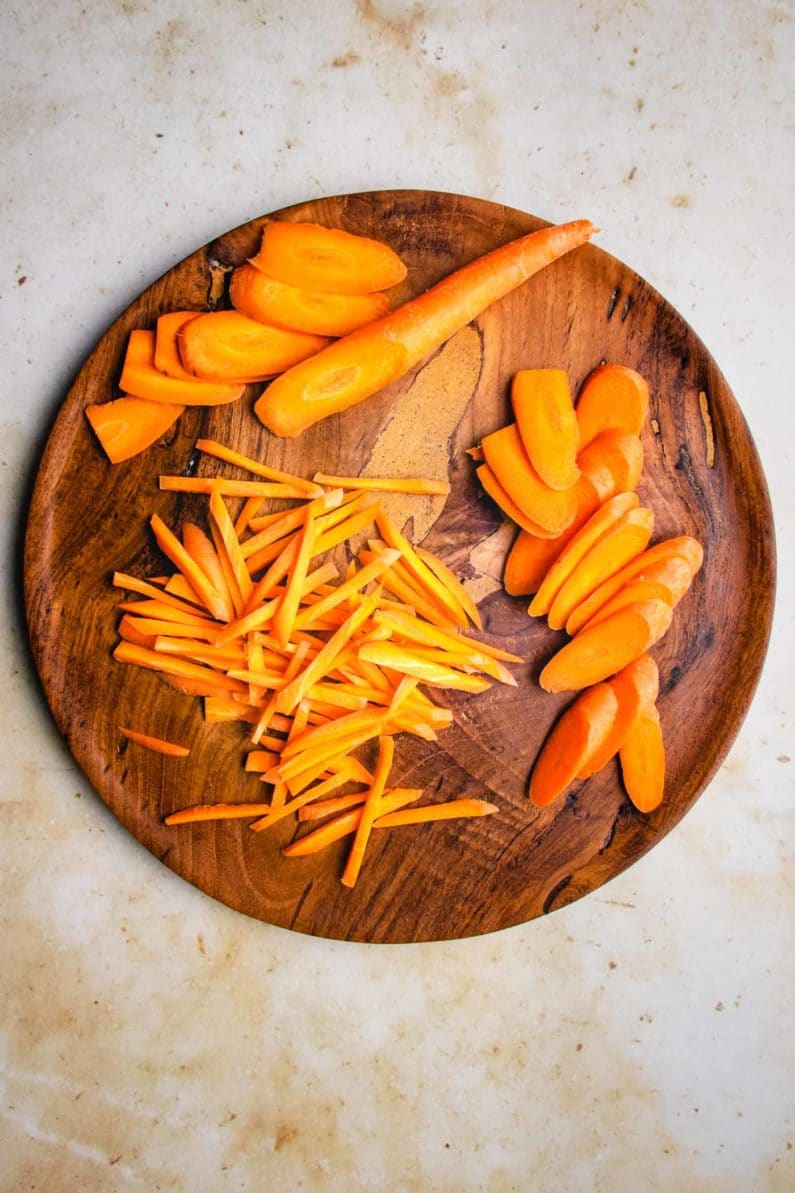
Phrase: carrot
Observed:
(428, 635)
(386, 752)
(668, 580)
(317, 312)
(613, 397)
(635, 689)
(394, 581)
(684, 547)
(204, 555)
(551, 509)
(207, 631)
(129, 632)
(130, 425)
(250, 509)
(330, 807)
(418, 662)
(581, 730)
(339, 593)
(340, 532)
(348, 822)
(226, 346)
(158, 744)
(206, 485)
(269, 714)
(178, 586)
(506, 503)
(607, 648)
(216, 812)
(327, 259)
(643, 761)
(227, 548)
(284, 621)
(338, 778)
(173, 549)
(577, 548)
(365, 361)
(547, 424)
(620, 454)
(165, 612)
(324, 661)
(624, 540)
(210, 447)
(420, 571)
(167, 358)
(384, 484)
(451, 810)
(128, 652)
(453, 585)
(140, 378)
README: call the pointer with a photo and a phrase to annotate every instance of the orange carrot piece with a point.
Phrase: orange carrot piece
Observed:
(576, 736)
(620, 454)
(300, 719)
(627, 538)
(668, 580)
(205, 556)
(452, 810)
(326, 657)
(129, 632)
(128, 425)
(315, 257)
(158, 744)
(211, 447)
(394, 580)
(635, 689)
(330, 807)
(173, 549)
(308, 617)
(284, 621)
(140, 378)
(547, 424)
(348, 822)
(167, 359)
(506, 503)
(147, 588)
(643, 761)
(153, 626)
(269, 715)
(420, 571)
(128, 652)
(383, 484)
(386, 752)
(453, 585)
(207, 485)
(226, 541)
(601, 652)
(315, 311)
(551, 509)
(365, 361)
(613, 397)
(166, 612)
(250, 509)
(427, 635)
(684, 547)
(416, 661)
(277, 813)
(228, 347)
(216, 812)
(340, 533)
(178, 586)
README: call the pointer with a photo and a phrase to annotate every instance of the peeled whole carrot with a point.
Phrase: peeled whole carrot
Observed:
(167, 358)
(627, 537)
(643, 761)
(551, 509)
(635, 689)
(508, 506)
(227, 346)
(613, 397)
(142, 379)
(684, 546)
(601, 652)
(316, 312)
(158, 744)
(327, 259)
(544, 414)
(667, 580)
(362, 363)
(583, 727)
(618, 452)
(128, 426)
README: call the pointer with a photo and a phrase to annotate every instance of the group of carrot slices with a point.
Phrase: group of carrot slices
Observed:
(305, 286)
(567, 477)
(256, 620)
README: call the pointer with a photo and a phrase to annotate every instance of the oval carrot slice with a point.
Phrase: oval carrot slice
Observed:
(129, 425)
(684, 546)
(635, 689)
(327, 259)
(643, 761)
(508, 506)
(544, 414)
(617, 452)
(228, 346)
(613, 396)
(551, 509)
(601, 652)
(140, 378)
(167, 358)
(627, 537)
(531, 556)
(579, 732)
(268, 300)
(668, 580)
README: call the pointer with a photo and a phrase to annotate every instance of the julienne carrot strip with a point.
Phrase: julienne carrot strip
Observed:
(427, 581)
(324, 660)
(453, 586)
(203, 553)
(249, 511)
(173, 549)
(227, 541)
(347, 823)
(158, 744)
(127, 652)
(383, 484)
(300, 719)
(286, 614)
(386, 752)
(216, 812)
(279, 812)
(416, 631)
(341, 592)
(210, 447)
(269, 714)
(205, 485)
(164, 612)
(451, 810)
(403, 590)
(147, 589)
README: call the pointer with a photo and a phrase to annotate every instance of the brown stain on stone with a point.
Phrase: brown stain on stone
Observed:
(398, 29)
(349, 58)
(680, 201)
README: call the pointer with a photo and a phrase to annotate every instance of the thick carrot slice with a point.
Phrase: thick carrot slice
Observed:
(635, 689)
(386, 751)
(173, 549)
(453, 585)
(503, 499)
(210, 447)
(386, 484)
(643, 761)
(130, 425)
(603, 651)
(167, 359)
(363, 362)
(158, 744)
(315, 311)
(551, 509)
(327, 259)
(577, 548)
(613, 396)
(619, 453)
(227, 346)
(532, 555)
(577, 735)
(685, 547)
(624, 540)
(451, 810)
(216, 812)
(668, 580)
(140, 378)
(544, 414)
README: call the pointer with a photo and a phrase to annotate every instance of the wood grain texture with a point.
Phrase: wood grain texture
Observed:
(453, 879)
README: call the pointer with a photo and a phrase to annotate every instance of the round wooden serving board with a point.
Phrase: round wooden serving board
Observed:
(455, 878)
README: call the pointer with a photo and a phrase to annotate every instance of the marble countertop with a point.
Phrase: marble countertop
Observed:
(153, 1039)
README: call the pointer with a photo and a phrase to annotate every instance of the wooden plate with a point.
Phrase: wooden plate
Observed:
(454, 879)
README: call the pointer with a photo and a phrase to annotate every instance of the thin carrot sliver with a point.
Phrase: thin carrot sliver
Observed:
(229, 488)
(210, 447)
(173, 549)
(324, 660)
(216, 812)
(344, 530)
(250, 509)
(158, 744)
(341, 592)
(330, 807)
(447, 811)
(146, 589)
(383, 484)
(287, 612)
(127, 652)
(269, 715)
(278, 813)
(175, 629)
(386, 752)
(417, 631)
(423, 574)
(165, 612)
(453, 585)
